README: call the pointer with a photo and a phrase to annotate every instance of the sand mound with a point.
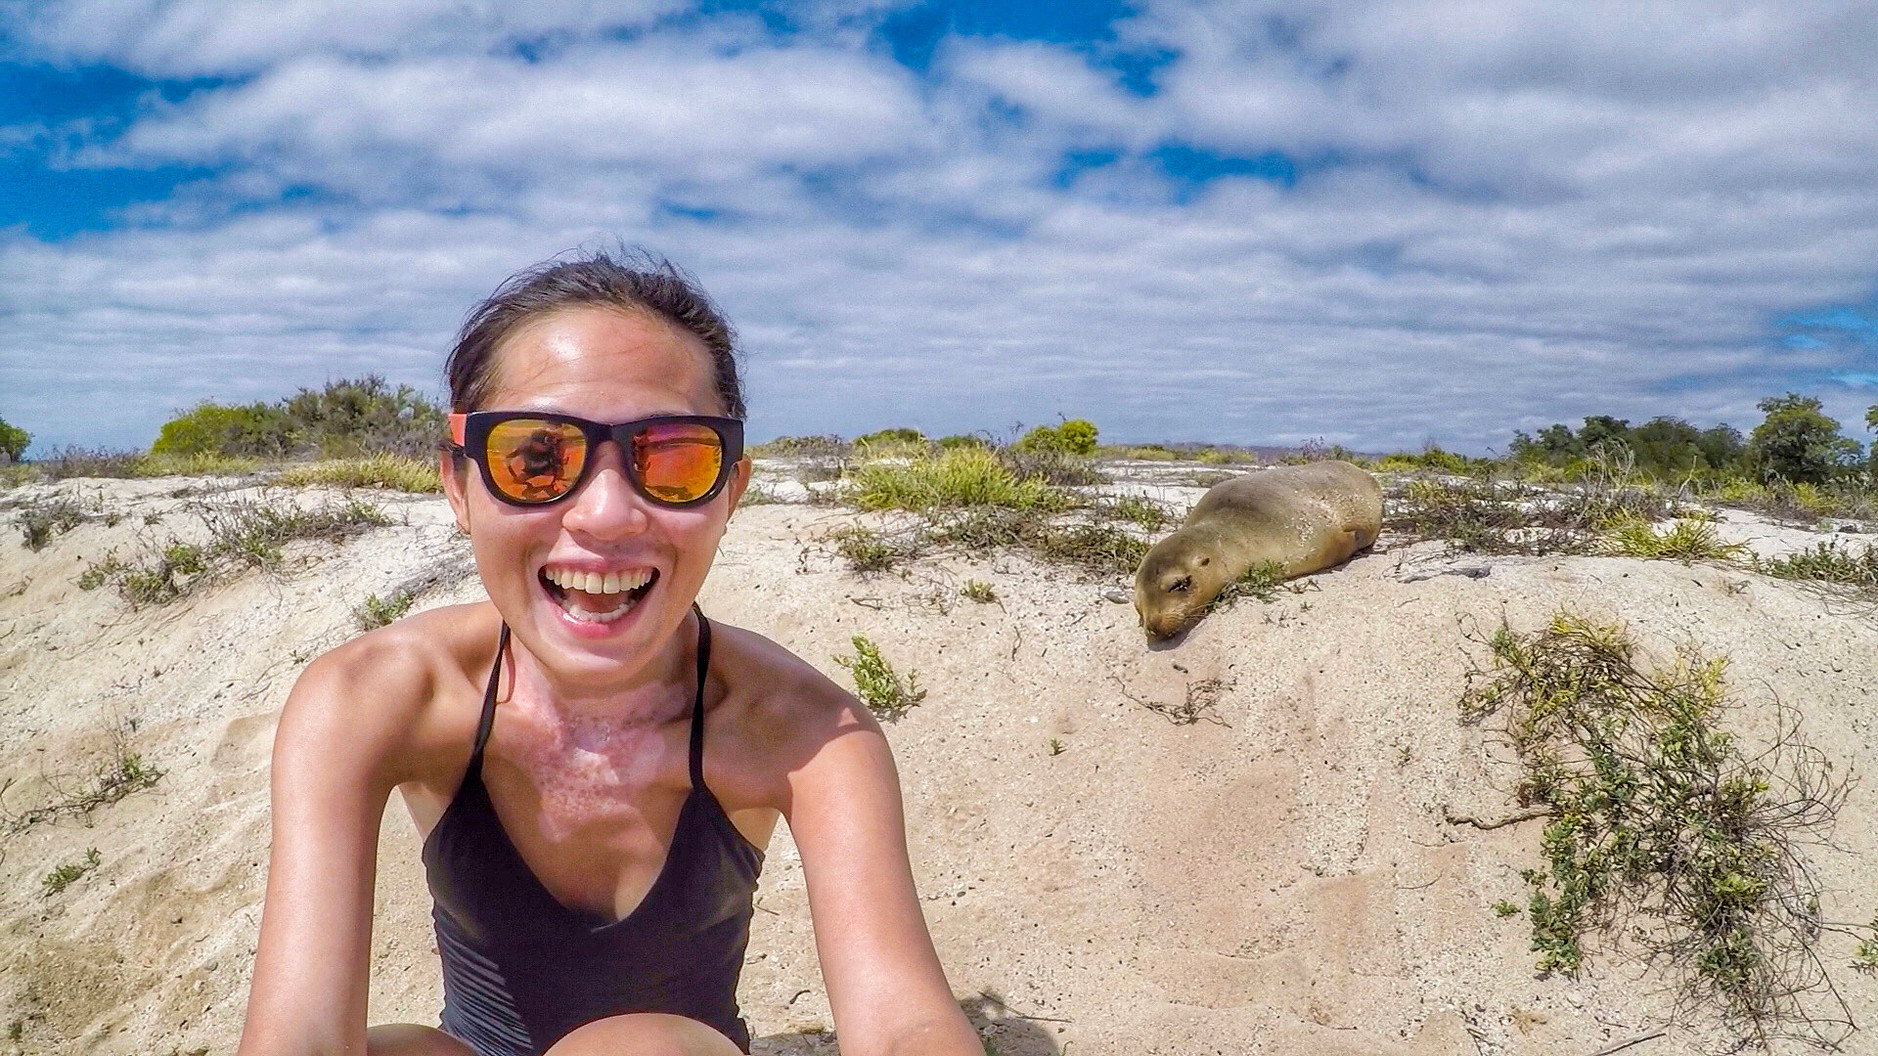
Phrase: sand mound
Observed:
(1276, 877)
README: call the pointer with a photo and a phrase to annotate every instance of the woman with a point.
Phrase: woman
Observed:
(593, 765)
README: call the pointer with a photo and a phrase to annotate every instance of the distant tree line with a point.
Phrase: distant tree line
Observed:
(345, 419)
(1796, 442)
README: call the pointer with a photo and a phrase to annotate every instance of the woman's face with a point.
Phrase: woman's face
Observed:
(607, 365)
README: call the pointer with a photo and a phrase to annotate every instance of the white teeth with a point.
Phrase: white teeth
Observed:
(596, 583)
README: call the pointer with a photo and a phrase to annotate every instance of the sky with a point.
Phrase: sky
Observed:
(1381, 224)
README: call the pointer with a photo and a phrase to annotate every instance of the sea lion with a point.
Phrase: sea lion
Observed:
(1305, 518)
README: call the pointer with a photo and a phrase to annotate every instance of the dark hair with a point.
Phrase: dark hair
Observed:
(638, 282)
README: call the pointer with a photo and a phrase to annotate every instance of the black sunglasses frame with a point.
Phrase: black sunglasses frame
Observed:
(477, 425)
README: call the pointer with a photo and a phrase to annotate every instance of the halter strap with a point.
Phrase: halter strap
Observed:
(697, 708)
(488, 721)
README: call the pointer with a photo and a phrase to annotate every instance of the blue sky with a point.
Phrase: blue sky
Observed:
(1379, 223)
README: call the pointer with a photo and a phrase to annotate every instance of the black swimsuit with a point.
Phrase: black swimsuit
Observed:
(520, 970)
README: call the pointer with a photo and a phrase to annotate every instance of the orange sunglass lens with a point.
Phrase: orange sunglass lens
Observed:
(677, 462)
(533, 460)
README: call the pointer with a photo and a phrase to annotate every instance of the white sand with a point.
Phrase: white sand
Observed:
(1279, 882)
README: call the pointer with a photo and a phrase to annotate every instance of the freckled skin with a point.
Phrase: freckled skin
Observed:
(1305, 518)
(586, 769)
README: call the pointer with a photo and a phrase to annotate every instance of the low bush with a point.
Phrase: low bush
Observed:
(1077, 436)
(1827, 562)
(1055, 468)
(392, 472)
(242, 535)
(866, 550)
(960, 477)
(1664, 828)
(1687, 539)
(41, 522)
(825, 445)
(1098, 548)
(1485, 515)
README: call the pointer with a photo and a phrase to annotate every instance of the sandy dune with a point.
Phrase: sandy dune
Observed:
(1280, 880)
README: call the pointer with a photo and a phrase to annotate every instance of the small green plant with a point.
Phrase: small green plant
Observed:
(1865, 955)
(61, 878)
(1827, 562)
(1262, 582)
(1503, 908)
(125, 773)
(1056, 746)
(1687, 539)
(375, 611)
(1146, 514)
(1654, 808)
(879, 686)
(865, 550)
(979, 591)
(41, 522)
(98, 573)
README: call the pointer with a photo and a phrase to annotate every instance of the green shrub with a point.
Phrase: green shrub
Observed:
(345, 419)
(1827, 562)
(243, 534)
(825, 445)
(1261, 582)
(947, 443)
(1148, 515)
(1099, 548)
(1657, 811)
(41, 522)
(1687, 539)
(1077, 436)
(13, 441)
(979, 591)
(252, 430)
(881, 688)
(376, 612)
(960, 477)
(899, 438)
(1050, 466)
(866, 550)
(381, 470)
(125, 774)
(1798, 442)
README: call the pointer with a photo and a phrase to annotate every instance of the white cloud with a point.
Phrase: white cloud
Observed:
(194, 38)
(1529, 214)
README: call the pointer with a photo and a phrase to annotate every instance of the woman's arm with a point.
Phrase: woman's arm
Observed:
(329, 787)
(885, 986)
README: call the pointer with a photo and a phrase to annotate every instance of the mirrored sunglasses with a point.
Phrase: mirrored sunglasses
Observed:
(532, 458)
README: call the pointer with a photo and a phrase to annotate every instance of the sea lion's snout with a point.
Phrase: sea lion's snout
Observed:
(1164, 593)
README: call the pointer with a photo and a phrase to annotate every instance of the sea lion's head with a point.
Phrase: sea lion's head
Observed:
(1175, 583)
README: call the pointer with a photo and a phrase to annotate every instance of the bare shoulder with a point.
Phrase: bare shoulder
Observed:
(394, 696)
(785, 713)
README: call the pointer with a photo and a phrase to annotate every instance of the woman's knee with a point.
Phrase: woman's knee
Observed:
(644, 1034)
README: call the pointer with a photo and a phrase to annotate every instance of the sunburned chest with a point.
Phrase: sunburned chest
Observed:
(598, 783)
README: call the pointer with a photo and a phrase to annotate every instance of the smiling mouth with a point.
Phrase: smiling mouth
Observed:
(593, 597)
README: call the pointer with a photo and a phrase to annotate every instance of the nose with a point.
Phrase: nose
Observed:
(607, 506)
